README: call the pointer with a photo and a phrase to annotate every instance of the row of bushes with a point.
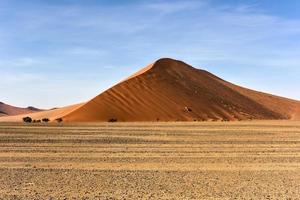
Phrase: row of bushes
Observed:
(45, 120)
(29, 120)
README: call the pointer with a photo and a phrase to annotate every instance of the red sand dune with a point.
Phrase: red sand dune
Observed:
(171, 90)
(8, 110)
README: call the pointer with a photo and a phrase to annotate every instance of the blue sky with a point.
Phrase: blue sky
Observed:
(60, 52)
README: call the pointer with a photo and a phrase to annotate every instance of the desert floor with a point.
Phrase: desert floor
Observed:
(198, 160)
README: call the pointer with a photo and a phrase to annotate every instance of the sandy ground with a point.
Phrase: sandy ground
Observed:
(196, 160)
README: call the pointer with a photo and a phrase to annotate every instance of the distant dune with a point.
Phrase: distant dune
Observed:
(8, 110)
(52, 114)
(171, 90)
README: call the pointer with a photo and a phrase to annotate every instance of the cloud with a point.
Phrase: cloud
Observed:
(171, 7)
(84, 51)
(71, 41)
(20, 62)
(16, 78)
(234, 33)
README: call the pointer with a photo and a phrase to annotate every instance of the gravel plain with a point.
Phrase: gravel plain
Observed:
(175, 160)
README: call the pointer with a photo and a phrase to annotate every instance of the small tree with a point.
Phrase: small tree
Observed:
(45, 120)
(112, 120)
(27, 119)
(59, 120)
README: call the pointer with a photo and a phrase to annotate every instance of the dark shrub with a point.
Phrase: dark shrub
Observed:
(45, 120)
(59, 120)
(27, 119)
(112, 120)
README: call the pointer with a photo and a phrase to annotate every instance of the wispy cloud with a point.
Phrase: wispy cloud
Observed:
(20, 62)
(13, 78)
(71, 41)
(84, 51)
(164, 7)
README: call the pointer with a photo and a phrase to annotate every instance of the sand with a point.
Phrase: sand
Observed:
(8, 110)
(196, 160)
(171, 90)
